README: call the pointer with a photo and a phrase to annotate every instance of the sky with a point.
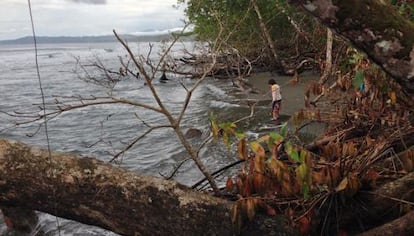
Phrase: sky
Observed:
(88, 17)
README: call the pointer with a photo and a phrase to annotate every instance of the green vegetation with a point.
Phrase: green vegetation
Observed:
(238, 25)
(319, 187)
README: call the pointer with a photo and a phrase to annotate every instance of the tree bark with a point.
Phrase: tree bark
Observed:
(96, 193)
(402, 226)
(391, 196)
(328, 62)
(267, 35)
(374, 27)
(19, 220)
(383, 206)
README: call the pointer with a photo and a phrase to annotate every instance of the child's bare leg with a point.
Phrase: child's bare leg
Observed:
(275, 115)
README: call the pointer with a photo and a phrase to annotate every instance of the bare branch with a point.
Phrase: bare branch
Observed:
(137, 139)
(175, 171)
(174, 123)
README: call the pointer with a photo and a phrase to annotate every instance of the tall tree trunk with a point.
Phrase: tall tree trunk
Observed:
(328, 61)
(267, 35)
(374, 27)
(96, 193)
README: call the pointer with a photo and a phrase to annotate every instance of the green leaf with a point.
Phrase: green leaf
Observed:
(274, 138)
(294, 155)
(359, 79)
(303, 155)
(240, 134)
(288, 147)
(228, 128)
(305, 190)
(283, 130)
(214, 126)
(304, 178)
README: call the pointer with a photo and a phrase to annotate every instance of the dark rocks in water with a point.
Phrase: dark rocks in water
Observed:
(163, 78)
(193, 133)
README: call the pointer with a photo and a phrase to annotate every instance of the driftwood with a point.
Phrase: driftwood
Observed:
(96, 193)
(93, 192)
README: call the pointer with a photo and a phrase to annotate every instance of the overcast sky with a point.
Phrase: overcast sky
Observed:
(87, 17)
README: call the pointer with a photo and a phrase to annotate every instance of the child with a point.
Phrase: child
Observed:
(276, 99)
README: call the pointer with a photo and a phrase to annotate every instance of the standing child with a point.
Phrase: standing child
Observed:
(276, 99)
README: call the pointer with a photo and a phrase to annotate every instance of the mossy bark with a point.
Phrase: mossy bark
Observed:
(96, 193)
(374, 27)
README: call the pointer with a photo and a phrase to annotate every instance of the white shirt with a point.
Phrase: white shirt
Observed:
(276, 96)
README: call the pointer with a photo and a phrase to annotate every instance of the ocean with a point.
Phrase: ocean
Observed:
(104, 130)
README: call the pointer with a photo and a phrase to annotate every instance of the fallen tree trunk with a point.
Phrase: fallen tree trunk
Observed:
(391, 196)
(96, 193)
(382, 206)
(401, 226)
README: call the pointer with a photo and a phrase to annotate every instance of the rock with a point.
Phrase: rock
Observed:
(163, 78)
(193, 133)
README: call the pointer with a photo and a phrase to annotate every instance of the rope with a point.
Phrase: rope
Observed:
(43, 96)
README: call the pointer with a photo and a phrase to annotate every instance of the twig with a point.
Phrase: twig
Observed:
(388, 197)
(130, 145)
(175, 170)
(252, 106)
(217, 172)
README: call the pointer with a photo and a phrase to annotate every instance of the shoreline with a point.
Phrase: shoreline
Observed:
(292, 94)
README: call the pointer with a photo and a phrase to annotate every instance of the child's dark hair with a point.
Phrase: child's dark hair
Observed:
(271, 81)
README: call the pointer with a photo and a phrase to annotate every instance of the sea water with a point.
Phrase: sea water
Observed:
(104, 130)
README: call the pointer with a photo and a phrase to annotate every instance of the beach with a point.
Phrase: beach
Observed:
(292, 93)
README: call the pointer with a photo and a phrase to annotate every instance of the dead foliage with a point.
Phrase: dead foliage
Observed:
(319, 186)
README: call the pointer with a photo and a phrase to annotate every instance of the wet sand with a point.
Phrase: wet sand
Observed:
(292, 101)
(292, 95)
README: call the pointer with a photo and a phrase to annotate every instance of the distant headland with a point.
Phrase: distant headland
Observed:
(90, 39)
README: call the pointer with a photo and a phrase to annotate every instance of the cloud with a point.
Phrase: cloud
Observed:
(89, 1)
(88, 17)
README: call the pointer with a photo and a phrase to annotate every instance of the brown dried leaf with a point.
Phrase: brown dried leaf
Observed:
(229, 185)
(371, 177)
(258, 182)
(304, 225)
(369, 141)
(352, 150)
(342, 185)
(345, 149)
(237, 218)
(353, 185)
(242, 149)
(239, 183)
(251, 208)
(408, 160)
(270, 210)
